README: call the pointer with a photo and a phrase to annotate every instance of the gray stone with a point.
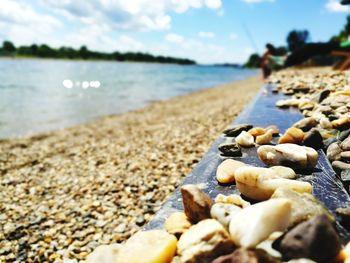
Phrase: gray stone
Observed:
(305, 124)
(230, 149)
(344, 134)
(313, 138)
(237, 129)
(333, 152)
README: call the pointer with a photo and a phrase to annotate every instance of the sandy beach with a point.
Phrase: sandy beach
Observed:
(65, 192)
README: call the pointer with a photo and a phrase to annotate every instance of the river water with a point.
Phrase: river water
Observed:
(42, 95)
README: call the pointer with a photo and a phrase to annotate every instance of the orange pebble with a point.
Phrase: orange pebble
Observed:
(257, 131)
(292, 135)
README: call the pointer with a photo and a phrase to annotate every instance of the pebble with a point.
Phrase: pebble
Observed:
(345, 145)
(225, 172)
(292, 135)
(275, 130)
(290, 155)
(345, 156)
(237, 129)
(236, 200)
(325, 123)
(193, 245)
(224, 212)
(265, 138)
(177, 223)
(313, 139)
(260, 183)
(197, 204)
(333, 151)
(315, 239)
(341, 123)
(305, 124)
(320, 96)
(256, 131)
(255, 223)
(339, 166)
(148, 247)
(304, 205)
(344, 214)
(230, 149)
(104, 254)
(344, 134)
(244, 255)
(245, 139)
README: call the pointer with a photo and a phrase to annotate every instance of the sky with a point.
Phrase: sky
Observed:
(208, 31)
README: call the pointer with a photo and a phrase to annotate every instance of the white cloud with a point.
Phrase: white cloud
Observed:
(139, 15)
(335, 6)
(233, 36)
(206, 34)
(174, 38)
(257, 1)
(20, 23)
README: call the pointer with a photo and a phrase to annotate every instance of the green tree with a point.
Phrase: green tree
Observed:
(84, 52)
(254, 61)
(297, 38)
(8, 46)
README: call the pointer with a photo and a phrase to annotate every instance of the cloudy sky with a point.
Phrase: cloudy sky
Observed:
(208, 31)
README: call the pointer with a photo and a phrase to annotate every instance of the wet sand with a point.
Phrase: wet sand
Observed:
(63, 193)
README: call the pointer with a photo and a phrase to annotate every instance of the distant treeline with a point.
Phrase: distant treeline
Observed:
(296, 39)
(45, 51)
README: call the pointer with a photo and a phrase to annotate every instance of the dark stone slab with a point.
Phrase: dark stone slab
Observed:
(260, 112)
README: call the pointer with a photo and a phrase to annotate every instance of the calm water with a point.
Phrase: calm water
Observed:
(34, 96)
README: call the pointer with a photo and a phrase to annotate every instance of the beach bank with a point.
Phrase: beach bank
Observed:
(66, 192)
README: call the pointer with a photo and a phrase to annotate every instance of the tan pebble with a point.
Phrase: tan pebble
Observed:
(231, 199)
(265, 138)
(292, 135)
(225, 172)
(204, 242)
(325, 123)
(341, 122)
(306, 105)
(274, 128)
(177, 223)
(256, 131)
(148, 247)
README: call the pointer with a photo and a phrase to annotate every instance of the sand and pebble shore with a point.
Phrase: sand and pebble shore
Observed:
(66, 192)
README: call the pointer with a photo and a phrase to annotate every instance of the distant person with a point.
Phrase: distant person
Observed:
(272, 62)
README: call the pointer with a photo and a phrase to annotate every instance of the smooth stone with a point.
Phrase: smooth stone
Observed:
(177, 223)
(320, 96)
(306, 105)
(305, 124)
(345, 156)
(325, 123)
(255, 223)
(196, 203)
(275, 130)
(315, 239)
(244, 255)
(224, 212)
(233, 199)
(260, 183)
(148, 247)
(292, 135)
(256, 131)
(230, 149)
(225, 172)
(344, 214)
(333, 151)
(345, 145)
(341, 123)
(304, 205)
(104, 254)
(265, 138)
(245, 139)
(328, 142)
(204, 242)
(344, 134)
(237, 129)
(340, 166)
(313, 139)
(291, 155)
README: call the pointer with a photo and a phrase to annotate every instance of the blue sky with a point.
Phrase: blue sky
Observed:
(208, 31)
